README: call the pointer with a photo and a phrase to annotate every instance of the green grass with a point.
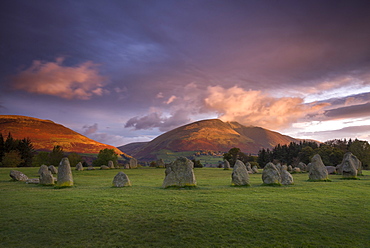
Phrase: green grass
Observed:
(213, 214)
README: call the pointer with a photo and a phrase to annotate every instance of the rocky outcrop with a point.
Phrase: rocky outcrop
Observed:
(240, 175)
(179, 173)
(121, 180)
(18, 176)
(64, 178)
(271, 175)
(318, 171)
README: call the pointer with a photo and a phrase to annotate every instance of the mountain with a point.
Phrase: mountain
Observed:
(209, 135)
(45, 134)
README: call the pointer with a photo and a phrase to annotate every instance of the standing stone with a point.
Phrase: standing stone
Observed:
(64, 178)
(111, 164)
(104, 167)
(121, 180)
(290, 168)
(18, 176)
(79, 167)
(133, 163)
(255, 169)
(296, 170)
(271, 174)
(286, 177)
(249, 168)
(278, 166)
(302, 166)
(351, 166)
(46, 178)
(90, 167)
(43, 168)
(160, 163)
(179, 173)
(350, 158)
(318, 170)
(309, 166)
(53, 169)
(331, 169)
(240, 175)
(226, 165)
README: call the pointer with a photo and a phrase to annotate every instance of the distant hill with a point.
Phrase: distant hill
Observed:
(45, 134)
(209, 135)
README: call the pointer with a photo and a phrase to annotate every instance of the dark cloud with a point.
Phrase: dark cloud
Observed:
(157, 120)
(354, 111)
(90, 129)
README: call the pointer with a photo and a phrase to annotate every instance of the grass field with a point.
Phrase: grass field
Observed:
(214, 214)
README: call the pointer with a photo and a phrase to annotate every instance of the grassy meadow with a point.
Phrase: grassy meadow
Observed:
(214, 214)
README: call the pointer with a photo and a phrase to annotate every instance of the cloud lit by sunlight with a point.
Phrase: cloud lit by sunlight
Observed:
(256, 108)
(52, 78)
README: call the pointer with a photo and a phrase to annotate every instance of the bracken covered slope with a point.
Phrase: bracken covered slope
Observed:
(209, 135)
(45, 134)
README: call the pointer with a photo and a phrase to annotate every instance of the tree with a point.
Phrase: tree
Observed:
(361, 149)
(74, 158)
(10, 143)
(105, 156)
(56, 155)
(233, 154)
(12, 159)
(40, 159)
(197, 163)
(2, 147)
(26, 151)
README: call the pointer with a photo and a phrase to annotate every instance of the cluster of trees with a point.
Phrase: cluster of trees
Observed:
(21, 153)
(331, 152)
(55, 156)
(105, 156)
(15, 152)
(235, 154)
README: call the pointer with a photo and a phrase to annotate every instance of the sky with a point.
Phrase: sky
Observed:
(127, 71)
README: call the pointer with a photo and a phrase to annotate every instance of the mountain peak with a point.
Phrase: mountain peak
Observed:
(210, 135)
(46, 134)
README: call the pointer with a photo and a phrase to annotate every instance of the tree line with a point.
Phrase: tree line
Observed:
(16, 152)
(331, 152)
(21, 153)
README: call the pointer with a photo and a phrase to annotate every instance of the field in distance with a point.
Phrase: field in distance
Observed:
(214, 214)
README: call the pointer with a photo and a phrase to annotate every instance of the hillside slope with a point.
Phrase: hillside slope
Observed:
(45, 134)
(212, 135)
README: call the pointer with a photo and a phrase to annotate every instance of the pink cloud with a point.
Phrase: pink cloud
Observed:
(52, 78)
(256, 108)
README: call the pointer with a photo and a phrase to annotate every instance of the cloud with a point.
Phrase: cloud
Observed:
(158, 120)
(171, 99)
(256, 108)
(52, 78)
(87, 130)
(354, 111)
